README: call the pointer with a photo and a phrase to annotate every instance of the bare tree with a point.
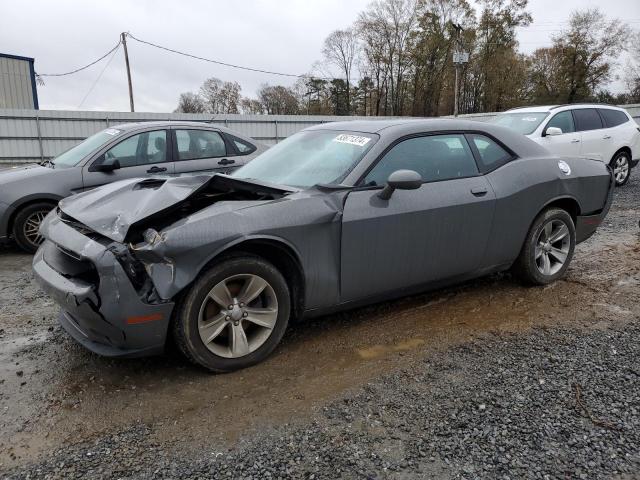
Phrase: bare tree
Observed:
(278, 100)
(385, 29)
(251, 106)
(220, 97)
(341, 49)
(190, 102)
(581, 60)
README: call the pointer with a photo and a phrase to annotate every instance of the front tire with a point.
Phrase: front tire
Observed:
(621, 166)
(548, 248)
(27, 224)
(234, 315)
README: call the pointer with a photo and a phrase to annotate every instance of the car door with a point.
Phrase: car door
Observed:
(143, 154)
(615, 133)
(566, 144)
(202, 150)
(589, 124)
(417, 236)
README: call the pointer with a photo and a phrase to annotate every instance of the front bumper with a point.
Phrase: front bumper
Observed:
(586, 225)
(101, 309)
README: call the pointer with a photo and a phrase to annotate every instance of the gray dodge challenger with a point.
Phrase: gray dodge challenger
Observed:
(336, 216)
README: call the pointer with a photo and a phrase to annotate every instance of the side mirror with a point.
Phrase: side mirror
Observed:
(107, 165)
(402, 180)
(553, 131)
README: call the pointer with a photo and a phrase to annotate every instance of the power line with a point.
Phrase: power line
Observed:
(217, 62)
(81, 68)
(99, 76)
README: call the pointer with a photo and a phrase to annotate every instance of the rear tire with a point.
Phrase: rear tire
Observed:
(548, 248)
(223, 339)
(27, 223)
(621, 166)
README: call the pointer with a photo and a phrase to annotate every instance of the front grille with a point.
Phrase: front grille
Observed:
(79, 227)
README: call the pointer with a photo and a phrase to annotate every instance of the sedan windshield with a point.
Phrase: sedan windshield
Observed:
(521, 122)
(309, 158)
(74, 155)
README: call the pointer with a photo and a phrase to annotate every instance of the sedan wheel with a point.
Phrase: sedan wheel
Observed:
(238, 315)
(552, 247)
(548, 248)
(621, 168)
(234, 315)
(26, 226)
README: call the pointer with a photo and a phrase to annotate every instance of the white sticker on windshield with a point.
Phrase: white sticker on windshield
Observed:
(352, 139)
(529, 119)
(112, 131)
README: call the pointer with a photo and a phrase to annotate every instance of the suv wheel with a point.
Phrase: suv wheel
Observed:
(234, 315)
(621, 165)
(26, 226)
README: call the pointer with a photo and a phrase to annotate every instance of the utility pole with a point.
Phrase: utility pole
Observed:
(459, 57)
(123, 38)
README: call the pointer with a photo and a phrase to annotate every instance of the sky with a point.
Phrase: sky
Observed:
(278, 35)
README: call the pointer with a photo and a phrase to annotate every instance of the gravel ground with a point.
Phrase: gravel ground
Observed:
(485, 380)
(553, 403)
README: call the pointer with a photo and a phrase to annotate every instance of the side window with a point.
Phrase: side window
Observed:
(587, 119)
(491, 154)
(613, 118)
(563, 121)
(195, 144)
(243, 147)
(434, 157)
(141, 149)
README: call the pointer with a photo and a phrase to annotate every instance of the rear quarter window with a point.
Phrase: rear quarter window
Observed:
(491, 154)
(613, 118)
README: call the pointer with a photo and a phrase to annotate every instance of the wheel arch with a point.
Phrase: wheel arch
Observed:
(566, 203)
(27, 201)
(622, 149)
(282, 254)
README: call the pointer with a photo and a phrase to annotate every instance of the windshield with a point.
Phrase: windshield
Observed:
(309, 158)
(522, 122)
(74, 155)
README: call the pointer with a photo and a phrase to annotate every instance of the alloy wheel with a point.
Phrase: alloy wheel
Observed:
(621, 168)
(238, 315)
(552, 247)
(31, 227)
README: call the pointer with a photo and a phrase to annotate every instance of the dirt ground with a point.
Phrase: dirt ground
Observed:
(53, 393)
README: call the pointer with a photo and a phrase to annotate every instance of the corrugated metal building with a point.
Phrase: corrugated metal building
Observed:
(17, 82)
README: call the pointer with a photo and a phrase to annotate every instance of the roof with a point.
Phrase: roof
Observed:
(161, 123)
(16, 57)
(392, 129)
(548, 108)
(376, 126)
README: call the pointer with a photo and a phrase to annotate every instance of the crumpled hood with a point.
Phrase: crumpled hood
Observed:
(111, 210)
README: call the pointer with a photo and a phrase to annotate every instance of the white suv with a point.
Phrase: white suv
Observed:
(601, 132)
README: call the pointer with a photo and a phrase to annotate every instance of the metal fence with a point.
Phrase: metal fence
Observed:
(28, 136)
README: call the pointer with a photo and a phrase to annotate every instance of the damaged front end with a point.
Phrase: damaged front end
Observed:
(107, 305)
(103, 260)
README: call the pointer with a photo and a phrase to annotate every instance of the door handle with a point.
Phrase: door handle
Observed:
(575, 140)
(479, 191)
(226, 161)
(156, 170)
(606, 137)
